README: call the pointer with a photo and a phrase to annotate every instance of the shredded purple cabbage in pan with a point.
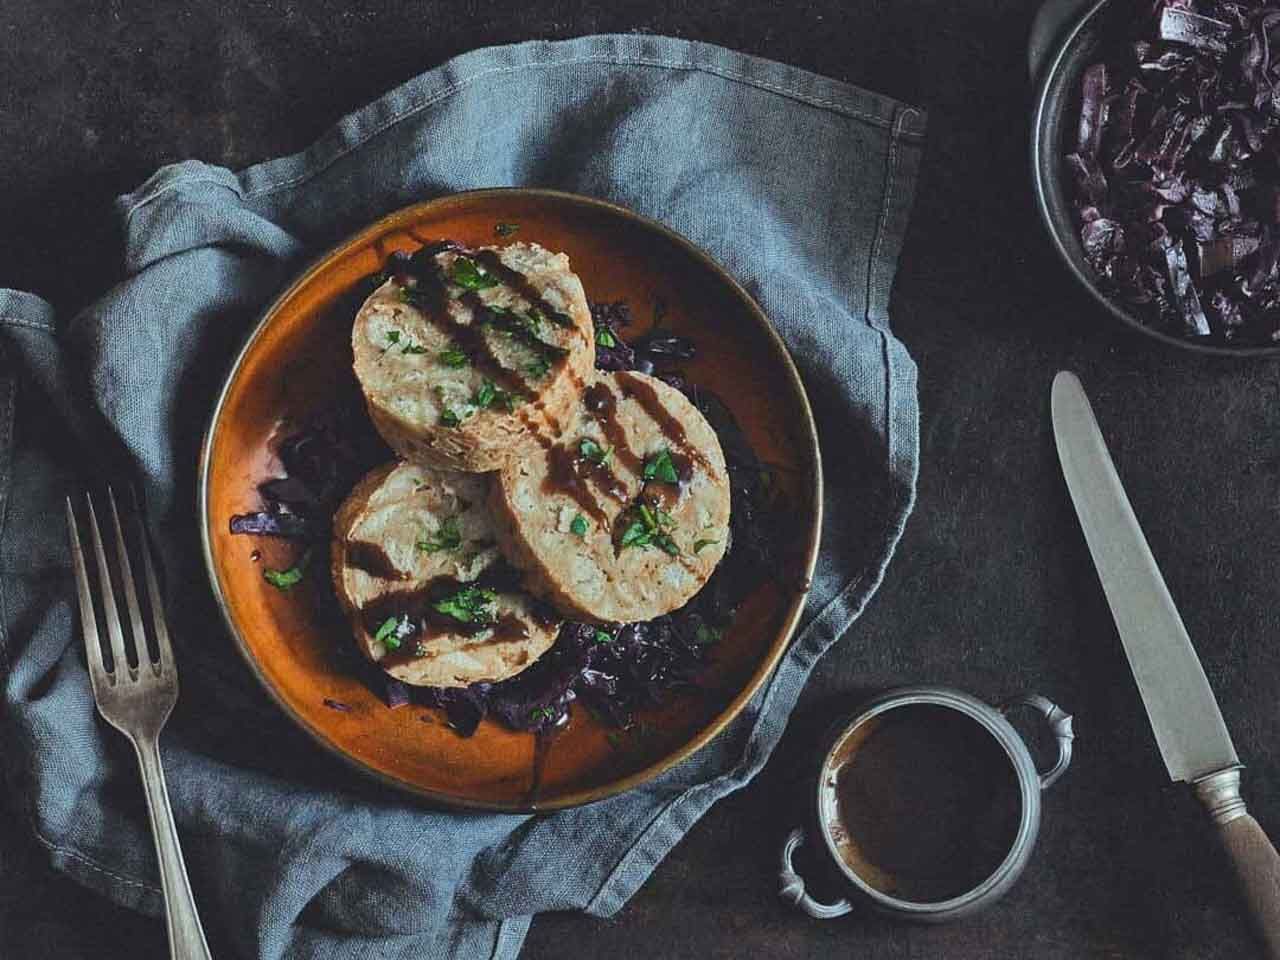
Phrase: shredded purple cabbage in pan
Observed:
(1176, 169)
(613, 672)
(322, 459)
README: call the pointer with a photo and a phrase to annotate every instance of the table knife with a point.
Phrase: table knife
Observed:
(1188, 725)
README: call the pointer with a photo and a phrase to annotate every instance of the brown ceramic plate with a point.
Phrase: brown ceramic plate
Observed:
(299, 355)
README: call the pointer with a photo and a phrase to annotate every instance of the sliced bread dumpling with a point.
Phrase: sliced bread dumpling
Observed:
(468, 357)
(626, 517)
(417, 570)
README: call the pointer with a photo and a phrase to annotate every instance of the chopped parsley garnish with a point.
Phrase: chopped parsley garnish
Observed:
(506, 229)
(489, 395)
(592, 451)
(452, 357)
(524, 328)
(387, 629)
(704, 635)
(606, 339)
(515, 324)
(660, 467)
(559, 319)
(635, 535)
(699, 544)
(393, 631)
(542, 713)
(447, 537)
(469, 605)
(485, 395)
(467, 274)
(394, 338)
(602, 636)
(286, 579)
(646, 530)
(579, 525)
(664, 519)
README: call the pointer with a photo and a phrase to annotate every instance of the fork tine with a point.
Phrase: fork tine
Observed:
(88, 619)
(107, 594)
(130, 593)
(160, 629)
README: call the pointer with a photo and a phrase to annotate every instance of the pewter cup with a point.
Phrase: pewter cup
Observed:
(841, 745)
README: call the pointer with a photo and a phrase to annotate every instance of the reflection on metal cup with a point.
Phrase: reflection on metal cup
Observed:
(928, 804)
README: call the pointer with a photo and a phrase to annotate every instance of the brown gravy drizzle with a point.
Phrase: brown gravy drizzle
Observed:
(373, 560)
(603, 405)
(567, 472)
(518, 282)
(468, 336)
(508, 629)
(472, 341)
(664, 496)
(416, 604)
(671, 428)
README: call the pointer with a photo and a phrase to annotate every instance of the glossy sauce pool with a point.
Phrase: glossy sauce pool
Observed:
(928, 804)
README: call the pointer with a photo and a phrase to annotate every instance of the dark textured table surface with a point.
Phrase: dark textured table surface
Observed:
(991, 590)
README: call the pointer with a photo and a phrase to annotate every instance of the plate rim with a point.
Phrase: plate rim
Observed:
(764, 669)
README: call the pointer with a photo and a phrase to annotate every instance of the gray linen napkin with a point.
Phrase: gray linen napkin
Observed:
(799, 185)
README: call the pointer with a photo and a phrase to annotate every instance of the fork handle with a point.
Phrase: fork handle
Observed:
(186, 936)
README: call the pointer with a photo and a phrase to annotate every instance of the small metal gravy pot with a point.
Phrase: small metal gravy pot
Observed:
(938, 864)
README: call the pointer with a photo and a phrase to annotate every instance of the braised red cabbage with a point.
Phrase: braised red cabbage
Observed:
(1175, 170)
(322, 460)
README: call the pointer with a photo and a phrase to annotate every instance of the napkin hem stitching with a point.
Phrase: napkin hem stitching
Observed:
(312, 171)
(91, 863)
(33, 324)
(890, 183)
(178, 181)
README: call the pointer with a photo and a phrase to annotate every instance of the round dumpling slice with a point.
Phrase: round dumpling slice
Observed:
(416, 568)
(626, 517)
(468, 357)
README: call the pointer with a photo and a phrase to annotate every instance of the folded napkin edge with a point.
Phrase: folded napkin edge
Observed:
(352, 131)
(22, 309)
(653, 50)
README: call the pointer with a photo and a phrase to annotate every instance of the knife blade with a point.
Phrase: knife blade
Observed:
(1184, 714)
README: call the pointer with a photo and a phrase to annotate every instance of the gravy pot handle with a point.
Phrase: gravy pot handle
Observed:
(1059, 724)
(791, 885)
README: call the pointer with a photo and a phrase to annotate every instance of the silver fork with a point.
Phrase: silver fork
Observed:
(137, 701)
